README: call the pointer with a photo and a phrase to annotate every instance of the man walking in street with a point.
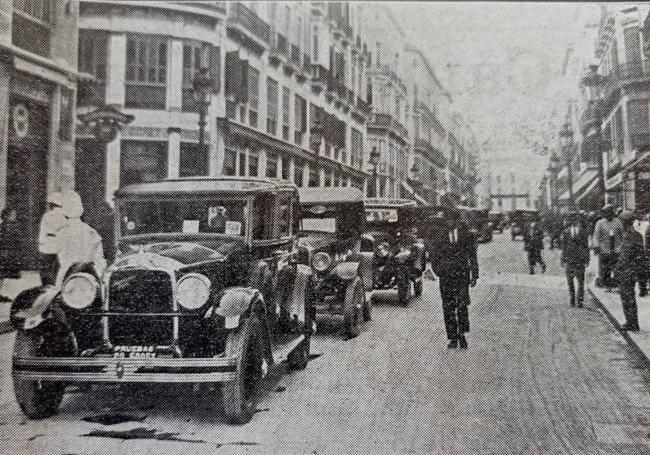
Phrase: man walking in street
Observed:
(452, 253)
(534, 244)
(626, 269)
(575, 256)
(51, 223)
(608, 235)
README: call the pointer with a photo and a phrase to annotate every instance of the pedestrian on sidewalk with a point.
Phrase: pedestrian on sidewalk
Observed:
(453, 259)
(608, 235)
(534, 244)
(78, 242)
(10, 248)
(51, 223)
(627, 269)
(575, 256)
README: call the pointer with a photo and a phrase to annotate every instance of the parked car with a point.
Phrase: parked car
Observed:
(398, 254)
(205, 289)
(332, 222)
(519, 219)
(498, 221)
(478, 222)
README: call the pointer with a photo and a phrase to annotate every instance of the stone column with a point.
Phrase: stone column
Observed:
(175, 77)
(174, 153)
(261, 164)
(116, 69)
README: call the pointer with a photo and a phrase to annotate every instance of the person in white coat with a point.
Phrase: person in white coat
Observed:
(78, 242)
(51, 223)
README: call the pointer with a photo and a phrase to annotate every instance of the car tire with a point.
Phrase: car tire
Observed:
(240, 395)
(299, 357)
(353, 307)
(367, 308)
(403, 289)
(37, 399)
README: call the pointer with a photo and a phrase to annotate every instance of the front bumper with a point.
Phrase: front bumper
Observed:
(108, 369)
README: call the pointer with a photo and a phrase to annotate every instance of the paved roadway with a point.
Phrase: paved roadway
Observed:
(539, 377)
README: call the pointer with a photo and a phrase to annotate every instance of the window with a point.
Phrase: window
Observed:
(313, 176)
(253, 95)
(271, 165)
(196, 56)
(229, 162)
(300, 121)
(146, 72)
(284, 210)
(314, 45)
(92, 56)
(638, 122)
(271, 106)
(143, 161)
(242, 163)
(31, 25)
(285, 168)
(262, 217)
(194, 160)
(632, 39)
(253, 163)
(328, 178)
(619, 132)
(286, 100)
(298, 170)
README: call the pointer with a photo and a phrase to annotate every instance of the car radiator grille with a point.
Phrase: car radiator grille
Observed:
(137, 295)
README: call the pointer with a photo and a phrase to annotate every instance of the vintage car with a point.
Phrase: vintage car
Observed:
(332, 222)
(205, 288)
(519, 219)
(398, 254)
(498, 220)
(477, 221)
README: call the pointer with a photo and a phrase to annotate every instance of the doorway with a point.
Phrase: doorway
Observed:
(27, 156)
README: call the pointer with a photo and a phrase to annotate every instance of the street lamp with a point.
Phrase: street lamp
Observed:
(374, 162)
(594, 82)
(202, 88)
(553, 168)
(566, 141)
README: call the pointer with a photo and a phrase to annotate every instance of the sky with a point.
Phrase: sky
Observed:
(502, 63)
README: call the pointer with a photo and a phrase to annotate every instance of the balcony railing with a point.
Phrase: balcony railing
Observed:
(251, 22)
(435, 155)
(386, 121)
(625, 73)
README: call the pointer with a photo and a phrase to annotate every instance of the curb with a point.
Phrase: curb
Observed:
(617, 326)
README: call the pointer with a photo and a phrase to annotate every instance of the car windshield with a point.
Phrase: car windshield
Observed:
(190, 216)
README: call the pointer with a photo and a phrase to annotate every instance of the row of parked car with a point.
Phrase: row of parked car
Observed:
(215, 280)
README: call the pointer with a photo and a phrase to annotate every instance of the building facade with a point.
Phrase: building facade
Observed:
(38, 85)
(287, 96)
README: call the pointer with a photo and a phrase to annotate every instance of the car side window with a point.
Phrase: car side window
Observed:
(284, 212)
(263, 218)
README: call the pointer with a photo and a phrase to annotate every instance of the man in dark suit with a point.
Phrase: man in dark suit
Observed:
(534, 244)
(626, 270)
(575, 256)
(452, 252)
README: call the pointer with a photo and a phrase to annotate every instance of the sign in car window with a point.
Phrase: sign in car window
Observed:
(375, 215)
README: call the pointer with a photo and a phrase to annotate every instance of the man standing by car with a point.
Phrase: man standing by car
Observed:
(453, 258)
(575, 256)
(626, 269)
(608, 235)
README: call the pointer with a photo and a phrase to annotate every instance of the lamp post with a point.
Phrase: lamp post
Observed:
(202, 87)
(374, 162)
(553, 168)
(566, 140)
(594, 82)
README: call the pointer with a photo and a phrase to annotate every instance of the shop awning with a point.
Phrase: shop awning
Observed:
(588, 190)
(582, 186)
(409, 189)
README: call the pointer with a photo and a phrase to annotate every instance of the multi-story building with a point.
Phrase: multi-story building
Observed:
(291, 102)
(388, 95)
(510, 191)
(38, 84)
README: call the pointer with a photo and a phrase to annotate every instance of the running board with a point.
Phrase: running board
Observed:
(282, 349)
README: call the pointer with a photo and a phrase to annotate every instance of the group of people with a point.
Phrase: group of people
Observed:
(619, 240)
(64, 240)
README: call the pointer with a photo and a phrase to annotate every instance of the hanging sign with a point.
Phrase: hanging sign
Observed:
(21, 120)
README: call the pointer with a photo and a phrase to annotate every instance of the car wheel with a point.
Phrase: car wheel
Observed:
(37, 399)
(240, 395)
(299, 357)
(367, 308)
(417, 286)
(403, 289)
(352, 307)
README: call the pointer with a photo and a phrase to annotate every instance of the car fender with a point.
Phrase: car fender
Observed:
(346, 270)
(235, 302)
(32, 306)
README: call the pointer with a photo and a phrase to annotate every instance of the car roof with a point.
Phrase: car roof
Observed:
(389, 202)
(205, 185)
(330, 195)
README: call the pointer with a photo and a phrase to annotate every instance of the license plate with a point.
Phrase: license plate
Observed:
(134, 352)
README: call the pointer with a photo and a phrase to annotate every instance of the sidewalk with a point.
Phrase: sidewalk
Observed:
(610, 302)
(11, 288)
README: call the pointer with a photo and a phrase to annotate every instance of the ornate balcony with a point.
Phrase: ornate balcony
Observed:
(428, 150)
(279, 52)
(387, 123)
(625, 74)
(319, 78)
(248, 27)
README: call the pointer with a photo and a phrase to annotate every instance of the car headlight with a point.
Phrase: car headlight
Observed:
(79, 290)
(321, 261)
(382, 250)
(193, 290)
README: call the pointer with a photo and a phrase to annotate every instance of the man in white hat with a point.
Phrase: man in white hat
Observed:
(51, 223)
(78, 242)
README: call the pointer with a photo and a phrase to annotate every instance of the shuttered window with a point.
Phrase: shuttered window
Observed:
(146, 72)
